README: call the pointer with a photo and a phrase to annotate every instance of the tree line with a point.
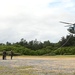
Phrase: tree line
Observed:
(35, 47)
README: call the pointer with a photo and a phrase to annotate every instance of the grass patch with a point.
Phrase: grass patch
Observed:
(24, 67)
(27, 70)
(2, 67)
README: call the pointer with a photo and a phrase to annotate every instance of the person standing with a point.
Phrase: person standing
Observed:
(4, 55)
(11, 54)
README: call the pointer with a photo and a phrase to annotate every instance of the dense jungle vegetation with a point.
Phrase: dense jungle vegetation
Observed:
(35, 47)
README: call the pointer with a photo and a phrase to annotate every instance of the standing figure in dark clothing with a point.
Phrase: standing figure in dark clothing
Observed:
(4, 55)
(11, 54)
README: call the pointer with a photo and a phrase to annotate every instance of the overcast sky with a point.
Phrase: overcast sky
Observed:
(35, 19)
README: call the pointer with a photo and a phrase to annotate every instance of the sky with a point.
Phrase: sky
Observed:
(35, 19)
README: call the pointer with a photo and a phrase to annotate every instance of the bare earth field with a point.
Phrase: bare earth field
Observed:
(38, 65)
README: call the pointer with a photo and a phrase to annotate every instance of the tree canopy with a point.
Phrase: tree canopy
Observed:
(35, 47)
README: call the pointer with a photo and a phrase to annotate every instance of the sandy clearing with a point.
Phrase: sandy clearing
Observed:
(42, 57)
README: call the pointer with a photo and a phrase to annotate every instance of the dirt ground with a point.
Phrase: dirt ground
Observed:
(43, 65)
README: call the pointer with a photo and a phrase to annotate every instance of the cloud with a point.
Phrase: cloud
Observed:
(33, 19)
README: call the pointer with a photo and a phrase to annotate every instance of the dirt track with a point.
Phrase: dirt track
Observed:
(41, 64)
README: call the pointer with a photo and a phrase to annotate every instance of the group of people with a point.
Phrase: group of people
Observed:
(4, 54)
